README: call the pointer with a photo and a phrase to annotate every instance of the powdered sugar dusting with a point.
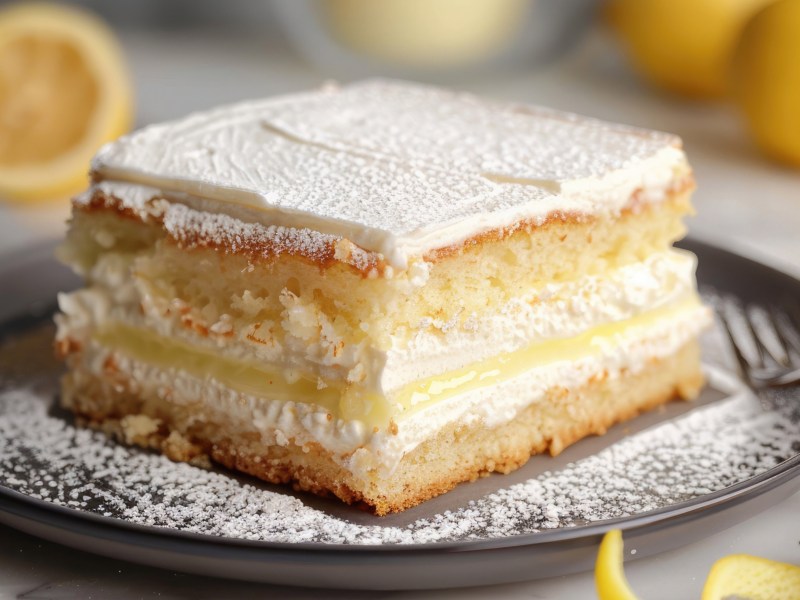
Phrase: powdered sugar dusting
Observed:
(455, 131)
(397, 168)
(713, 446)
(192, 228)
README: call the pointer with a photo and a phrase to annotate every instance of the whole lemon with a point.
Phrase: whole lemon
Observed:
(683, 46)
(767, 79)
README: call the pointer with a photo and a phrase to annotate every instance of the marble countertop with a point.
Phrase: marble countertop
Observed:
(744, 202)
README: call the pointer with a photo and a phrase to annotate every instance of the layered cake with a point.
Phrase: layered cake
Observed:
(378, 291)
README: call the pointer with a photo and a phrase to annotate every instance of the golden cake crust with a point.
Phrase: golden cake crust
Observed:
(337, 251)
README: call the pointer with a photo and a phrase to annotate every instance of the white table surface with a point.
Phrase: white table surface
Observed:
(744, 202)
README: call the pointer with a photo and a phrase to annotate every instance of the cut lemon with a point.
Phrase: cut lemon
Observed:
(64, 91)
(743, 576)
(609, 576)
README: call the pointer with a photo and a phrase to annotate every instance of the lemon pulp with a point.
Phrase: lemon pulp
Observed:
(64, 91)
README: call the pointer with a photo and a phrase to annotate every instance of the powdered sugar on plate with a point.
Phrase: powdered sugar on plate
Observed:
(715, 445)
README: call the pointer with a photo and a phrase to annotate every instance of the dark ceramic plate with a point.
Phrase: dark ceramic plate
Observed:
(665, 503)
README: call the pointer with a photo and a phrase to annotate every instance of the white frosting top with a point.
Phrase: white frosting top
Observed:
(399, 169)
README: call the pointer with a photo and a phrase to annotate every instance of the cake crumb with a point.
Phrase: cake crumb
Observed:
(138, 428)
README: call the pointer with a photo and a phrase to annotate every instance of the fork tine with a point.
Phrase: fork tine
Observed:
(743, 363)
(768, 335)
(764, 341)
(762, 350)
(786, 334)
(792, 313)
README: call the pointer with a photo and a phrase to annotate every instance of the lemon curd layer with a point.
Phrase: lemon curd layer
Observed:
(346, 401)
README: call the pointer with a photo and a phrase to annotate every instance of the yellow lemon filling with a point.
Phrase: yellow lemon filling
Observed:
(348, 401)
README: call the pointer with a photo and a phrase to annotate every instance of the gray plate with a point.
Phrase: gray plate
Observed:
(537, 546)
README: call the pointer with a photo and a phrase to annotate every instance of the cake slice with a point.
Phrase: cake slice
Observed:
(379, 291)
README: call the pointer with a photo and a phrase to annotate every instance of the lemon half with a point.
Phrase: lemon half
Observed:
(734, 576)
(743, 576)
(64, 91)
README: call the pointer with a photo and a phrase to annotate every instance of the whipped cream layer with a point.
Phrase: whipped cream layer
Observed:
(396, 168)
(629, 351)
(371, 452)
(559, 310)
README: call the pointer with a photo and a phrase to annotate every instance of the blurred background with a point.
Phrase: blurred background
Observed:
(723, 74)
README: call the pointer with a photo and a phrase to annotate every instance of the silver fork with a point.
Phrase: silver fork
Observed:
(765, 342)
